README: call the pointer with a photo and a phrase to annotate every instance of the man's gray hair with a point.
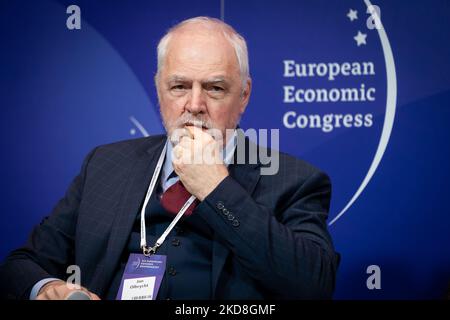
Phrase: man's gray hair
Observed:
(235, 39)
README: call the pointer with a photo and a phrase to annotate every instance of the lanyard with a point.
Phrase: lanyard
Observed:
(147, 251)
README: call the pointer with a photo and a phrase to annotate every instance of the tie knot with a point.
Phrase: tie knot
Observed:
(175, 197)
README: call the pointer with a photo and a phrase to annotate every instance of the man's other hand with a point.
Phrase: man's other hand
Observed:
(60, 290)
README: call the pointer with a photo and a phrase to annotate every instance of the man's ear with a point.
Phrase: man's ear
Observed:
(246, 94)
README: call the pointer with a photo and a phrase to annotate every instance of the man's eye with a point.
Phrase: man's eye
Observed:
(177, 87)
(216, 89)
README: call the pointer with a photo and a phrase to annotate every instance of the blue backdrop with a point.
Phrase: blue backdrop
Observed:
(64, 91)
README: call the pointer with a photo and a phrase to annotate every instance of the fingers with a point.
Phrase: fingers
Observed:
(197, 133)
(54, 292)
(199, 148)
(194, 131)
(59, 290)
(41, 297)
(94, 296)
(186, 142)
(48, 292)
(178, 152)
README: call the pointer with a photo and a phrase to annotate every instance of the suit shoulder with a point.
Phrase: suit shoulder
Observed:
(130, 146)
(290, 160)
(299, 167)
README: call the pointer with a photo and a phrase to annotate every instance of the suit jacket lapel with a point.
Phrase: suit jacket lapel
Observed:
(139, 177)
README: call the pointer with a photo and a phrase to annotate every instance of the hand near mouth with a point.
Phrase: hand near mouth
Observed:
(198, 163)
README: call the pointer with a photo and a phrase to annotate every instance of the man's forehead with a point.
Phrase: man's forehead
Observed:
(210, 67)
(201, 55)
(183, 78)
(211, 44)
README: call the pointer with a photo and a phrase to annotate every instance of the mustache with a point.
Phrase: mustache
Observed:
(196, 121)
(179, 130)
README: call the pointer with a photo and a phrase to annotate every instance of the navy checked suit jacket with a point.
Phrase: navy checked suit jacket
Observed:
(270, 232)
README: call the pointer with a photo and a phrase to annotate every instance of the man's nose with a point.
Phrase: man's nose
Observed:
(197, 100)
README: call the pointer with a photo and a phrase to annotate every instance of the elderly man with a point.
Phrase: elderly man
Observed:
(238, 234)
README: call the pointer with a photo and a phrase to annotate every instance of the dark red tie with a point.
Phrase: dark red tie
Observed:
(175, 197)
